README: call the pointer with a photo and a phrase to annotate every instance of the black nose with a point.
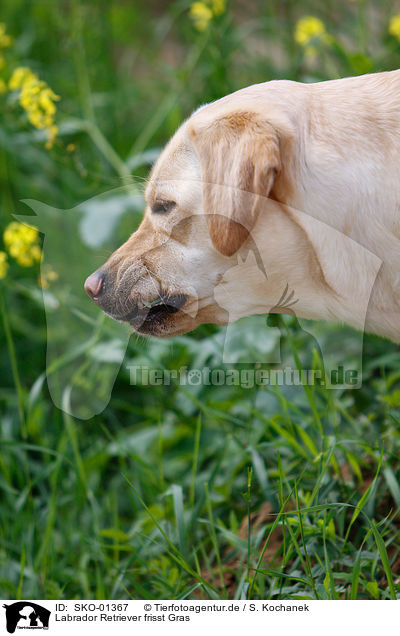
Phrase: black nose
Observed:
(94, 285)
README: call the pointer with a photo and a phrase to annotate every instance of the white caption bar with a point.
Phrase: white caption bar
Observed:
(197, 617)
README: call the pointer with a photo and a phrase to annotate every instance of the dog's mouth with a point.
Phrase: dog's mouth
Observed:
(147, 317)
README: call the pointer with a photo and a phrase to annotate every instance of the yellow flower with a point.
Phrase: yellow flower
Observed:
(394, 26)
(201, 15)
(5, 40)
(310, 31)
(218, 6)
(19, 76)
(22, 243)
(52, 134)
(47, 276)
(37, 99)
(203, 12)
(3, 264)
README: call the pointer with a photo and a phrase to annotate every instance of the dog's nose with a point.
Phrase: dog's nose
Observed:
(93, 285)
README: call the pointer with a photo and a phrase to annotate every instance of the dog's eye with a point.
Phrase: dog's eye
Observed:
(162, 207)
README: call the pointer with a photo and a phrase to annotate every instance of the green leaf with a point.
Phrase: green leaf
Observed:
(364, 499)
(114, 533)
(393, 484)
(360, 63)
(355, 577)
(373, 589)
(384, 558)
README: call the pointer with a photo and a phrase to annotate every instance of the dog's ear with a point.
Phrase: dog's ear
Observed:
(239, 158)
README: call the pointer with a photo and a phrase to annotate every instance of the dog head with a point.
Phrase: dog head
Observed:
(205, 195)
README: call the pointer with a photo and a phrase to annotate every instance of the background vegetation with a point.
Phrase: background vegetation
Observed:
(179, 492)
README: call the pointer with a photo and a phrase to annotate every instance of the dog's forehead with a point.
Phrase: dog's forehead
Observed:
(176, 165)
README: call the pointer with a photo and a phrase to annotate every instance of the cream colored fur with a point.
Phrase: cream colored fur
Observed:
(305, 175)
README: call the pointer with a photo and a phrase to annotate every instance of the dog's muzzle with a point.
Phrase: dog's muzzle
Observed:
(142, 314)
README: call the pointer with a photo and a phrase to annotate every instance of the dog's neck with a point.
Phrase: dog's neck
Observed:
(333, 278)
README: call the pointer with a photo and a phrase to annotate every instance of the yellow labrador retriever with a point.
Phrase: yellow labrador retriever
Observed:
(304, 177)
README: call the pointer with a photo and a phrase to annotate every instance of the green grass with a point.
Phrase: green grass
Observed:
(182, 491)
(153, 499)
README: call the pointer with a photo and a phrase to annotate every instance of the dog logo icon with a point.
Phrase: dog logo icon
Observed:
(26, 615)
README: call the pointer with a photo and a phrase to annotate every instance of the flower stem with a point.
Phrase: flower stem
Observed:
(14, 365)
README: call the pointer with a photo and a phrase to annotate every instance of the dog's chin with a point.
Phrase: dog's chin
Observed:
(168, 325)
(167, 316)
(162, 326)
(161, 319)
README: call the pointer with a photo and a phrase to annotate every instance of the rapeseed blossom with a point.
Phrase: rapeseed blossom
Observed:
(394, 26)
(47, 276)
(203, 12)
(5, 41)
(22, 243)
(37, 99)
(310, 31)
(3, 264)
(218, 6)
